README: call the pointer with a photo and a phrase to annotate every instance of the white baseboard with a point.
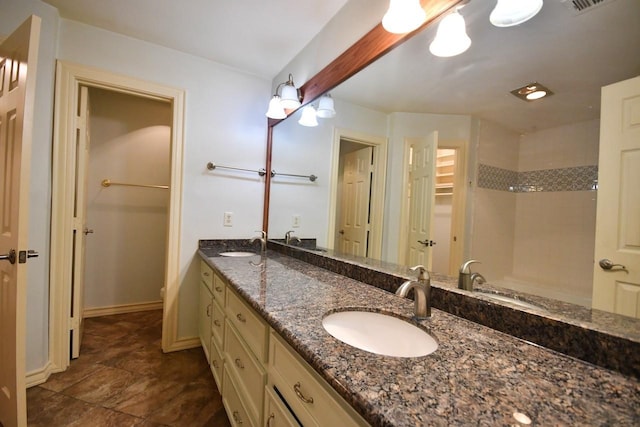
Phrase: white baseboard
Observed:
(183, 344)
(39, 376)
(124, 308)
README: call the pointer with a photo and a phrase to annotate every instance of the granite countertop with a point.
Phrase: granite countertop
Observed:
(478, 376)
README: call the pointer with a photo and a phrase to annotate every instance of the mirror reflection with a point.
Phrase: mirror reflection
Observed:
(433, 161)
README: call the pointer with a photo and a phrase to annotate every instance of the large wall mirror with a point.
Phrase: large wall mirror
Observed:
(515, 182)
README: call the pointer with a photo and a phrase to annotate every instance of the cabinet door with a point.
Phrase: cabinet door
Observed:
(275, 413)
(233, 405)
(204, 318)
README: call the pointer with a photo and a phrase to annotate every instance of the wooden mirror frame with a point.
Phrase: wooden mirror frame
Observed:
(366, 50)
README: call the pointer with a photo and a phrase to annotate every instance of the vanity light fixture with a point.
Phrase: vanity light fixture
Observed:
(325, 107)
(508, 13)
(308, 117)
(531, 92)
(289, 99)
(403, 16)
(451, 37)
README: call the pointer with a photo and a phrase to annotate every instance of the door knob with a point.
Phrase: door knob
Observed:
(11, 256)
(606, 264)
(427, 242)
(341, 231)
(87, 231)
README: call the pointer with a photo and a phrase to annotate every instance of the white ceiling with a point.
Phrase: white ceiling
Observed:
(257, 36)
(572, 54)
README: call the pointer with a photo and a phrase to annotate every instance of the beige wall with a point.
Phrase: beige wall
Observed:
(130, 143)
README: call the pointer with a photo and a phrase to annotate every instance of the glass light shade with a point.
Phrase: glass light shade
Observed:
(325, 107)
(308, 117)
(276, 111)
(536, 95)
(508, 13)
(289, 96)
(451, 37)
(403, 16)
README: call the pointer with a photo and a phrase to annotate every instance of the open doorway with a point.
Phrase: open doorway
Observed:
(357, 194)
(125, 161)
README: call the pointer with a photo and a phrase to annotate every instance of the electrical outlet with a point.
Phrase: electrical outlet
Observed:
(295, 223)
(227, 220)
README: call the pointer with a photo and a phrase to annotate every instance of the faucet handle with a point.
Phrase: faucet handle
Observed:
(423, 274)
(465, 267)
(263, 233)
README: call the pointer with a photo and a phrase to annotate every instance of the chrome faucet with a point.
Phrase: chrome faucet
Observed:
(466, 279)
(288, 238)
(263, 240)
(421, 290)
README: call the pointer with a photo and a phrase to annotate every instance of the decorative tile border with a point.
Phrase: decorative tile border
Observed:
(579, 178)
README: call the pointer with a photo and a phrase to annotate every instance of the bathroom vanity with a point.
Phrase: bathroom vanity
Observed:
(275, 363)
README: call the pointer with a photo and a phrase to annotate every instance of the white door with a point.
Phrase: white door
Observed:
(421, 199)
(17, 90)
(80, 229)
(356, 193)
(617, 289)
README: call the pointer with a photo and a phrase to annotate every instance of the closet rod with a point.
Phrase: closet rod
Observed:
(212, 166)
(109, 183)
(311, 178)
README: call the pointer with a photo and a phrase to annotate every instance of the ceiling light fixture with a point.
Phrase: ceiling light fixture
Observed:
(508, 13)
(531, 92)
(325, 107)
(308, 117)
(288, 99)
(451, 37)
(403, 16)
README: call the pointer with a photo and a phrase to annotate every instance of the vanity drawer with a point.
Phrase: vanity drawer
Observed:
(275, 413)
(206, 274)
(231, 399)
(219, 288)
(217, 363)
(249, 372)
(310, 398)
(217, 323)
(250, 326)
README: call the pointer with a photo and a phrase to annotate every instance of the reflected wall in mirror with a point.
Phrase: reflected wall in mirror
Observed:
(529, 168)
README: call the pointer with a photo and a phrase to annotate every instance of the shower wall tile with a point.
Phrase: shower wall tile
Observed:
(579, 178)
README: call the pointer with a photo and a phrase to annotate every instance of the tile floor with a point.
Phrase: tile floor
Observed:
(122, 378)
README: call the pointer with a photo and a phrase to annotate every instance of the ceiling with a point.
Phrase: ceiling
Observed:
(573, 54)
(256, 36)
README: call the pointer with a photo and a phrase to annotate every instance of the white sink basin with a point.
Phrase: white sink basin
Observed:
(237, 253)
(379, 333)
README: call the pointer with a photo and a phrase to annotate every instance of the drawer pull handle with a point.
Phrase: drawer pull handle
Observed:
(301, 396)
(216, 322)
(209, 310)
(218, 289)
(215, 364)
(241, 318)
(206, 274)
(239, 363)
(271, 417)
(236, 417)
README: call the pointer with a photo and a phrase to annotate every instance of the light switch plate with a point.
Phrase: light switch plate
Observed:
(295, 223)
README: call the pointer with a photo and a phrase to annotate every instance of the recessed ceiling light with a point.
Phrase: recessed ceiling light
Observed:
(531, 92)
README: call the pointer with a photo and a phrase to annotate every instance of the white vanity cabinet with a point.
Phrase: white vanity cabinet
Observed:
(205, 308)
(310, 399)
(263, 381)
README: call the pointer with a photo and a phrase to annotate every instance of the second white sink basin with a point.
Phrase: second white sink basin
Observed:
(379, 333)
(237, 253)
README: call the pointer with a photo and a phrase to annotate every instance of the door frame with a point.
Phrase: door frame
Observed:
(379, 145)
(459, 200)
(69, 78)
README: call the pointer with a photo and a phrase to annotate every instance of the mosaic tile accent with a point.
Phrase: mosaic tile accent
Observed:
(579, 178)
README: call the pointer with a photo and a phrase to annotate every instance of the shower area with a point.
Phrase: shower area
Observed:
(534, 209)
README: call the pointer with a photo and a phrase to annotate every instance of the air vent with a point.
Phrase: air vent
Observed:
(582, 6)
